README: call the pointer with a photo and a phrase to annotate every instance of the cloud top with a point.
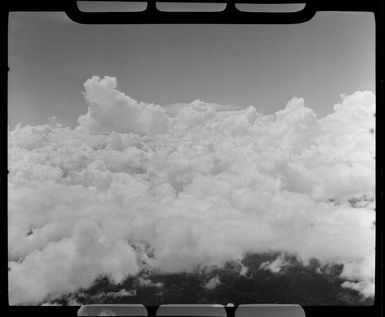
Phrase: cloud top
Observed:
(111, 110)
(133, 187)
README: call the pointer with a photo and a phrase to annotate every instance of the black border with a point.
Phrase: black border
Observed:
(229, 16)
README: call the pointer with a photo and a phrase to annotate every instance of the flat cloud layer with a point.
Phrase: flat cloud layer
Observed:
(198, 188)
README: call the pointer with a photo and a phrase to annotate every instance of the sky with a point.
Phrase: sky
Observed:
(50, 57)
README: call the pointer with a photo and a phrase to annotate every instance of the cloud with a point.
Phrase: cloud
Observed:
(173, 109)
(111, 110)
(276, 265)
(71, 263)
(364, 288)
(213, 283)
(132, 187)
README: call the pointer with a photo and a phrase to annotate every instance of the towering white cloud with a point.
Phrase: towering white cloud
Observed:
(111, 110)
(131, 186)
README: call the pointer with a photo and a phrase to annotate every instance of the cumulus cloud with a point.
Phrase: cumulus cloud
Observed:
(111, 110)
(132, 187)
(71, 263)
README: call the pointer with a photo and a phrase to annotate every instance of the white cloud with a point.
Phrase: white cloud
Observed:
(111, 110)
(173, 109)
(275, 266)
(364, 288)
(198, 189)
(213, 283)
(71, 263)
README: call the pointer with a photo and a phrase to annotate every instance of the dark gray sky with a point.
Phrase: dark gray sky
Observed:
(261, 65)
